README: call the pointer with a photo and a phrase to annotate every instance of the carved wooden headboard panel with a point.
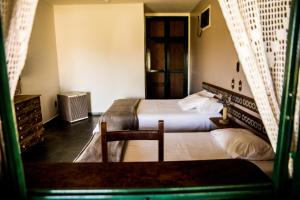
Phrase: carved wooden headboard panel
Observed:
(240, 99)
(241, 115)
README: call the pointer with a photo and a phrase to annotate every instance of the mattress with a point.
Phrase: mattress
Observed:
(175, 119)
(183, 146)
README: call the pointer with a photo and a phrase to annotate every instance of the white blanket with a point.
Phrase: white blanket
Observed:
(183, 146)
(175, 119)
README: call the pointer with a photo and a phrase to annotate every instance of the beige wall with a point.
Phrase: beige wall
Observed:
(213, 57)
(40, 74)
(101, 51)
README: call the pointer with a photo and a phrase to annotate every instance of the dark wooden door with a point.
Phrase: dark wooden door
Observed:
(166, 57)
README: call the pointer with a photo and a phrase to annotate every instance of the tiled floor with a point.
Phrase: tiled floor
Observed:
(63, 141)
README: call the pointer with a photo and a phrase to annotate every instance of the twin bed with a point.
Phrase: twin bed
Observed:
(189, 134)
(146, 113)
(175, 119)
(186, 146)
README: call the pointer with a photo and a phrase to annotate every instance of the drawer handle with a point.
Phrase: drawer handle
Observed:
(19, 118)
(21, 137)
(20, 128)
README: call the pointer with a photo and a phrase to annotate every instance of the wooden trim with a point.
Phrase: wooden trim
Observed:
(240, 99)
(104, 142)
(160, 140)
(132, 135)
(169, 175)
(253, 122)
(124, 135)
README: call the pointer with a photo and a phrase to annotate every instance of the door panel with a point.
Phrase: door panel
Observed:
(157, 28)
(176, 52)
(177, 29)
(176, 82)
(157, 87)
(157, 53)
(166, 53)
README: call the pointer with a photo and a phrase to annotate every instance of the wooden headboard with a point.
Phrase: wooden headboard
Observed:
(242, 114)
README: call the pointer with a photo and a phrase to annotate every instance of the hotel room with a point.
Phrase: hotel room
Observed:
(179, 72)
(86, 46)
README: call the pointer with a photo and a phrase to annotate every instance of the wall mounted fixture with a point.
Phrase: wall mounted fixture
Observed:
(203, 21)
(240, 85)
(232, 83)
(238, 66)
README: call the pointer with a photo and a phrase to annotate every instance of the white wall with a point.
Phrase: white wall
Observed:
(213, 56)
(101, 51)
(40, 74)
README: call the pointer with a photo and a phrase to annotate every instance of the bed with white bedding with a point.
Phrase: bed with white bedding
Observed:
(181, 143)
(175, 118)
(180, 146)
(149, 111)
(191, 113)
(185, 146)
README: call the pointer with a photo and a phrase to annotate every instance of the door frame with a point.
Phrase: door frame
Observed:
(188, 59)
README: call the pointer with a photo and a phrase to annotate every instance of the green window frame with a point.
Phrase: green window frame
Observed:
(13, 174)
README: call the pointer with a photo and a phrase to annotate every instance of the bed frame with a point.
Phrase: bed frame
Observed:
(241, 115)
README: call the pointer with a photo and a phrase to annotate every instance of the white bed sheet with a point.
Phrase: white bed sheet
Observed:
(184, 146)
(175, 119)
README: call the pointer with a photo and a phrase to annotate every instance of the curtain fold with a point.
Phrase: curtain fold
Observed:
(17, 19)
(259, 30)
(6, 12)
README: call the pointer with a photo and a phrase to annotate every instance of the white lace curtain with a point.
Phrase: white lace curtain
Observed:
(17, 19)
(259, 30)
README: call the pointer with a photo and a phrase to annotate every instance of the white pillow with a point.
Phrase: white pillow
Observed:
(206, 93)
(210, 106)
(242, 143)
(191, 102)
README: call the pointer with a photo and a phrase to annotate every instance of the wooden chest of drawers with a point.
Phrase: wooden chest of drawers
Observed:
(29, 120)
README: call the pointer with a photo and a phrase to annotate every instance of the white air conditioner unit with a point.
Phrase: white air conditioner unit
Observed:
(73, 106)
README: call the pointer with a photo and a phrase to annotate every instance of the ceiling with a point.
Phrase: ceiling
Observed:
(158, 6)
